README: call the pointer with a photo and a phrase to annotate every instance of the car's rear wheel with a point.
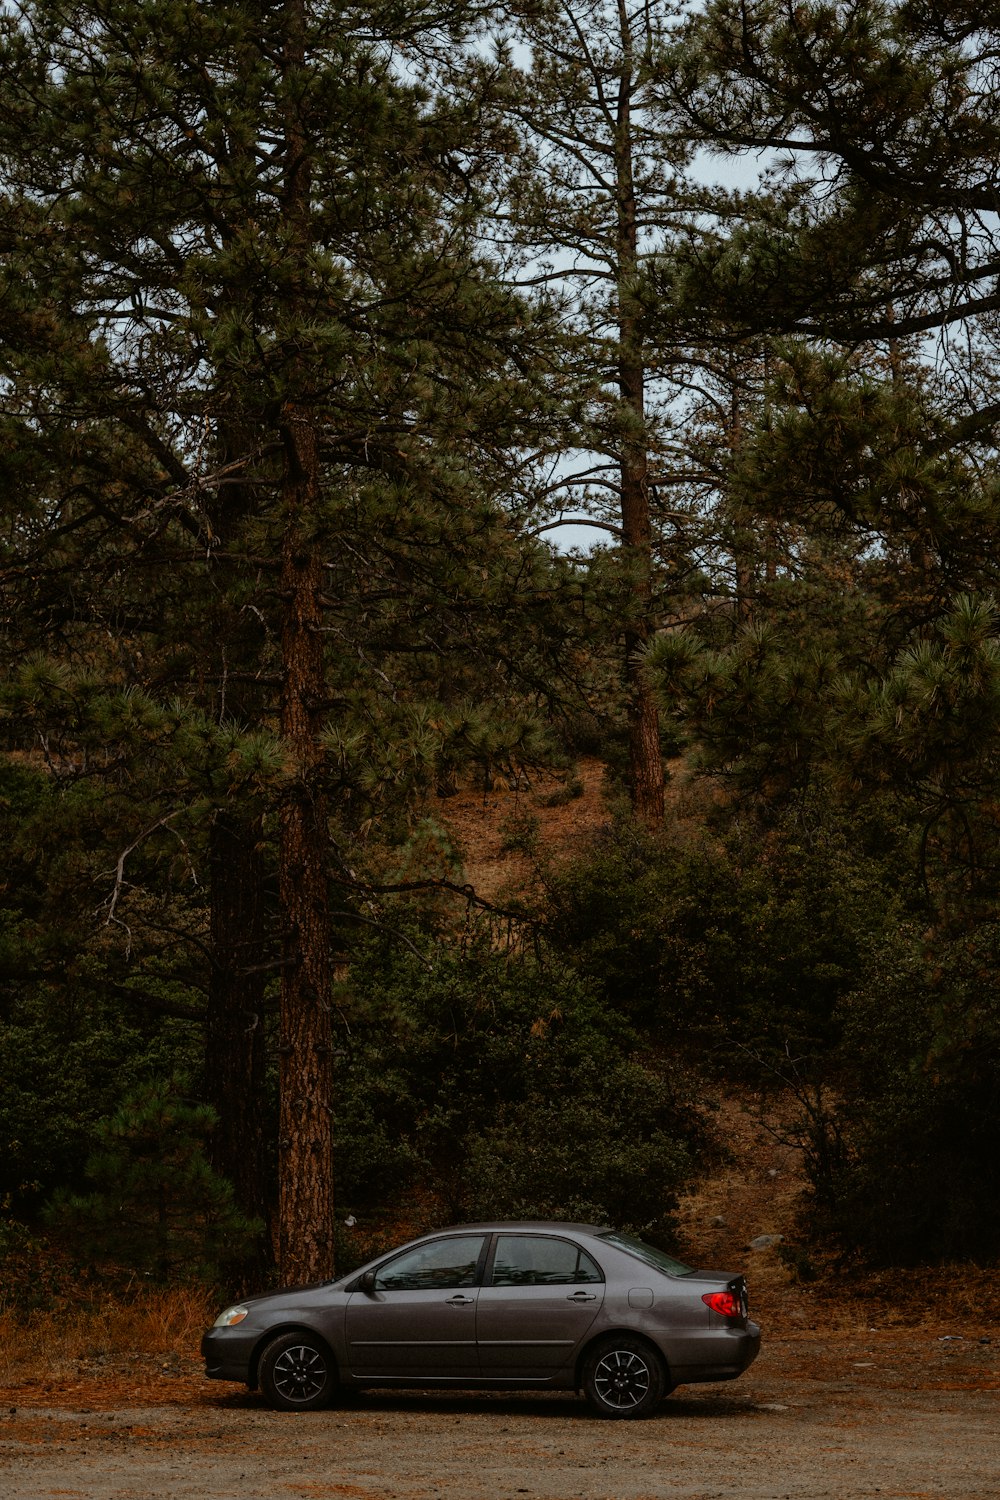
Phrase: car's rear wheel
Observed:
(297, 1373)
(624, 1377)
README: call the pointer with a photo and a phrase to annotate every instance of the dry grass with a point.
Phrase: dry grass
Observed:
(153, 1324)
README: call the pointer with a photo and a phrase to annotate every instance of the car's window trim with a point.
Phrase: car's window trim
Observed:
(535, 1234)
(379, 1266)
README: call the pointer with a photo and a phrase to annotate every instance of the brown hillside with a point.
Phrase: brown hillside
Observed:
(486, 822)
(761, 1189)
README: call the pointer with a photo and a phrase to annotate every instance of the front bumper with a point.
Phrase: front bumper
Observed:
(228, 1354)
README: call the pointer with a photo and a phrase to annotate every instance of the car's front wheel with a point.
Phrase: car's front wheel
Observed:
(624, 1377)
(297, 1373)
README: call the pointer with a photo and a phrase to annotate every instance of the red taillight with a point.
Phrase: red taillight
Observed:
(725, 1303)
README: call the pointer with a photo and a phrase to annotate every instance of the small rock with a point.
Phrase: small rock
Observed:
(719, 1222)
(765, 1241)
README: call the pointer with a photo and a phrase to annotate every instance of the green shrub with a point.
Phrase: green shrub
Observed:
(739, 951)
(609, 1147)
(155, 1205)
(504, 1086)
(33, 1274)
(921, 1049)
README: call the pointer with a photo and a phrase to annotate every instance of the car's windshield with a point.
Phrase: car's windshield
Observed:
(653, 1257)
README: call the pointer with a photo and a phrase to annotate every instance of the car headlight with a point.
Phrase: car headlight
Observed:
(231, 1317)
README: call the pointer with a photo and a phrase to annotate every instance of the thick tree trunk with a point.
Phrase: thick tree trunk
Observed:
(234, 1031)
(235, 1023)
(305, 1131)
(305, 1217)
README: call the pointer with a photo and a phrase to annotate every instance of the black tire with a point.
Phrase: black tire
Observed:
(297, 1373)
(624, 1378)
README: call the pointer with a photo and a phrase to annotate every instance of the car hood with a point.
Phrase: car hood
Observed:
(304, 1291)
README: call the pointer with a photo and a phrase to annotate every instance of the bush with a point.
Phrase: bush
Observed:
(32, 1272)
(922, 1116)
(155, 1204)
(607, 1149)
(739, 951)
(504, 1087)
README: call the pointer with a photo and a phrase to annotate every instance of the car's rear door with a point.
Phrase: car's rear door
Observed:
(419, 1319)
(540, 1298)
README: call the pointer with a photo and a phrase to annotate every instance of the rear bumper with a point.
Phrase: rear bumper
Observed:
(730, 1357)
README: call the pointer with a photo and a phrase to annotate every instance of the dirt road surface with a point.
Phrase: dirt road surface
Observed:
(848, 1415)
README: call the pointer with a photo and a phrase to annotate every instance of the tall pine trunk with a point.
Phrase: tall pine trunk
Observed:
(645, 759)
(305, 1132)
(234, 1030)
(237, 985)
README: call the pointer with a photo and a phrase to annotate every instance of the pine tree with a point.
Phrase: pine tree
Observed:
(600, 191)
(263, 388)
(154, 1201)
(875, 219)
(880, 528)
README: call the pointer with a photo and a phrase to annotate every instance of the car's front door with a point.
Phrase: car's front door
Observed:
(541, 1296)
(418, 1320)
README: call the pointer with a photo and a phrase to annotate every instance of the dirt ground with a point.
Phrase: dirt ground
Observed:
(844, 1413)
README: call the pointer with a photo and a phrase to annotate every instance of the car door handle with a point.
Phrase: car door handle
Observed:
(460, 1301)
(582, 1297)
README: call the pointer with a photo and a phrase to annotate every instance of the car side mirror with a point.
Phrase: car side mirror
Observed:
(367, 1283)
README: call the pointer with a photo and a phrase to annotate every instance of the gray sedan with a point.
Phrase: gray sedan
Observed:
(530, 1305)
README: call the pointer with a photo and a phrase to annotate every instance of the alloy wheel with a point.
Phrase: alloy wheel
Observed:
(299, 1373)
(622, 1379)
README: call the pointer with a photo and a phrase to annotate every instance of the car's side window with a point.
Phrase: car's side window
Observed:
(435, 1267)
(540, 1260)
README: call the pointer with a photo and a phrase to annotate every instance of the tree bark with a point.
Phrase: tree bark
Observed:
(234, 1030)
(305, 1132)
(645, 759)
(305, 1216)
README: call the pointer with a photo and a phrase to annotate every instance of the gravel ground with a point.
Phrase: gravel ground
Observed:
(897, 1412)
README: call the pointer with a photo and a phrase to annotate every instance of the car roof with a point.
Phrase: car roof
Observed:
(501, 1226)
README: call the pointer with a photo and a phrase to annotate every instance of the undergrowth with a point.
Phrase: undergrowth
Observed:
(159, 1323)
